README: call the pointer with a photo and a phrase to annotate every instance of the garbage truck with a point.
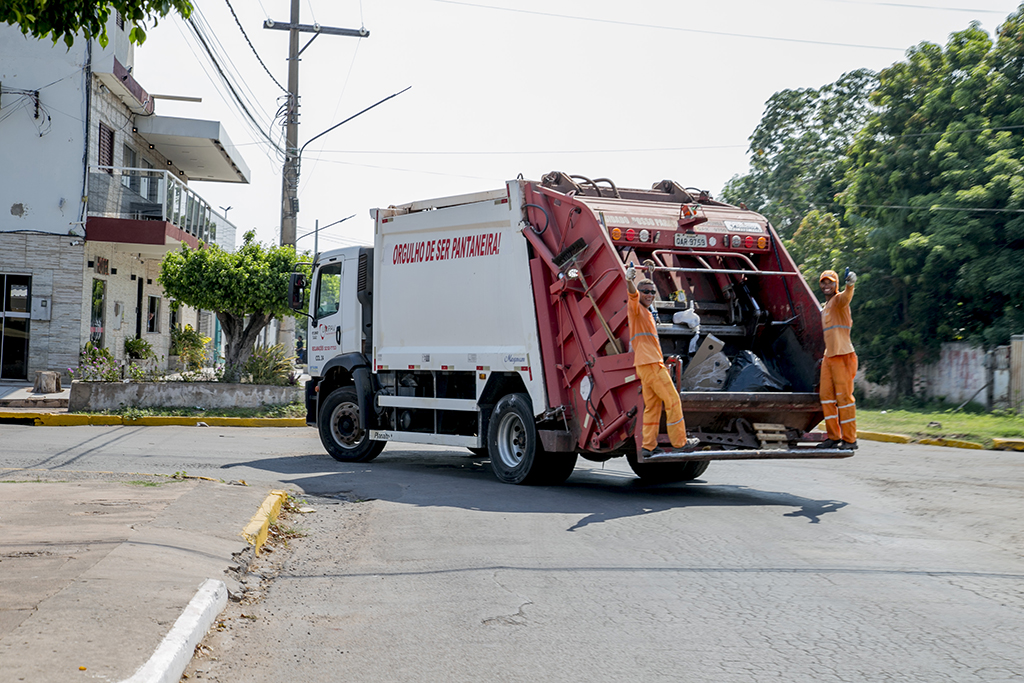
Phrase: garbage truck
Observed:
(496, 321)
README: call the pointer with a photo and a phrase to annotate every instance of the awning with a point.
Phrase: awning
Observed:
(202, 149)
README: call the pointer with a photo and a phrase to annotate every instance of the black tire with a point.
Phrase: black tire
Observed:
(666, 472)
(517, 456)
(340, 429)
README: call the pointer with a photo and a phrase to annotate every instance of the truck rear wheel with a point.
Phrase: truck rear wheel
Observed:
(341, 431)
(666, 472)
(517, 456)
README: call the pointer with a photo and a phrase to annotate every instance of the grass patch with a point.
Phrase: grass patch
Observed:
(296, 409)
(979, 427)
(143, 482)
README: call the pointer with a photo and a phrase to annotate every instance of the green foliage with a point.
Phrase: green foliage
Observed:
(96, 364)
(796, 151)
(138, 348)
(190, 346)
(246, 288)
(913, 178)
(65, 19)
(269, 365)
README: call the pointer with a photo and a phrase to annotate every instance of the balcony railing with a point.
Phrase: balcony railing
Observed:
(154, 194)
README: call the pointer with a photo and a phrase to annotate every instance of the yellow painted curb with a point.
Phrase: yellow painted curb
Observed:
(63, 420)
(1008, 444)
(882, 436)
(952, 443)
(259, 526)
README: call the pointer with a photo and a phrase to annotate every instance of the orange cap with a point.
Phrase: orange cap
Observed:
(829, 275)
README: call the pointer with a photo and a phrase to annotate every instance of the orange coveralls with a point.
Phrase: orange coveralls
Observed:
(654, 378)
(838, 368)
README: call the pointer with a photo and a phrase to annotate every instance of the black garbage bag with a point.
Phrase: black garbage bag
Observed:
(749, 373)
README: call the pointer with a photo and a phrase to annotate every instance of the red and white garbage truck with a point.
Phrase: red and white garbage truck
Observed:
(496, 321)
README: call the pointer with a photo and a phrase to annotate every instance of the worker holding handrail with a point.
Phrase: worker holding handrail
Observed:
(649, 361)
(839, 365)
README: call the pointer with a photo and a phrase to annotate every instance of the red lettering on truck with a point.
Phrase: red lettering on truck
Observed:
(469, 246)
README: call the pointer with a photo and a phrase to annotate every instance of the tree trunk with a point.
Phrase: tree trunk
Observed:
(239, 338)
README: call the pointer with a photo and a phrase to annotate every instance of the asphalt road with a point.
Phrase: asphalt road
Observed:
(904, 563)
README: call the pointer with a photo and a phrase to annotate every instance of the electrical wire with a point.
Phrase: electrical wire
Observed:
(198, 28)
(252, 47)
(540, 151)
(927, 7)
(934, 208)
(699, 31)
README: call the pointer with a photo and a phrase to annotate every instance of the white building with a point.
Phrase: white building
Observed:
(94, 190)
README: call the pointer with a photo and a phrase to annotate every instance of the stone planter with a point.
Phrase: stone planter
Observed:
(87, 396)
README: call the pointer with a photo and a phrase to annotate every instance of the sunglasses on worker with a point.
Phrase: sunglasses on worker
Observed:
(646, 291)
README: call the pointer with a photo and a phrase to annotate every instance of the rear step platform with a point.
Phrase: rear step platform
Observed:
(750, 454)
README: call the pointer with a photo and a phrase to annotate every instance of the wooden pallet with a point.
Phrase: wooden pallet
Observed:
(771, 436)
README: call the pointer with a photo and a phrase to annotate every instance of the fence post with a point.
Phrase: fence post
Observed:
(1017, 372)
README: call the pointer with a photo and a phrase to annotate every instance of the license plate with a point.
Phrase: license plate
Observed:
(687, 240)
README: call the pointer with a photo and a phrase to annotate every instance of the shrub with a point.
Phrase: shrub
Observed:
(269, 365)
(139, 349)
(190, 346)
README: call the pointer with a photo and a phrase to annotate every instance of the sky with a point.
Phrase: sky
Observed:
(636, 92)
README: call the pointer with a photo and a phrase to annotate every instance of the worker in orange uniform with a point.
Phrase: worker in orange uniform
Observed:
(657, 386)
(839, 364)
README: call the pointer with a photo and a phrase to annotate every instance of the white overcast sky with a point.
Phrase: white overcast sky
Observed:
(632, 91)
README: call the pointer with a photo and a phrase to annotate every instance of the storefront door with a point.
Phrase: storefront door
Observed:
(15, 306)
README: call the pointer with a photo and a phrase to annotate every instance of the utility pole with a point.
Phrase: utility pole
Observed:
(290, 173)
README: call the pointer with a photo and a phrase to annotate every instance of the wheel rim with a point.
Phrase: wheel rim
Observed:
(345, 425)
(511, 440)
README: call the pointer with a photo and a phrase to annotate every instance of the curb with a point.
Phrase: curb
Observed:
(1008, 444)
(952, 443)
(882, 436)
(178, 646)
(259, 526)
(80, 419)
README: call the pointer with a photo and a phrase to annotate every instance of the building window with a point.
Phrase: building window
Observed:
(99, 305)
(106, 150)
(129, 160)
(153, 320)
(120, 21)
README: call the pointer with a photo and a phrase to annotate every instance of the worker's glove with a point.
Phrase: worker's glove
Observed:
(630, 273)
(851, 278)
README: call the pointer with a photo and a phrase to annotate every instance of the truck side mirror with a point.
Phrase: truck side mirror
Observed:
(296, 291)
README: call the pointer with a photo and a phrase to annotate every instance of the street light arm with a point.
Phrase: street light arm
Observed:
(350, 118)
(324, 227)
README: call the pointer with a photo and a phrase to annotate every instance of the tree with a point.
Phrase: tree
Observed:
(247, 289)
(797, 150)
(66, 18)
(938, 175)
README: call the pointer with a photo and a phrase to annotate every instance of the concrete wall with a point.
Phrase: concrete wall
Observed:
(958, 375)
(43, 174)
(113, 395)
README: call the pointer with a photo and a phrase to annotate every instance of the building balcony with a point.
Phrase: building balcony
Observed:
(151, 210)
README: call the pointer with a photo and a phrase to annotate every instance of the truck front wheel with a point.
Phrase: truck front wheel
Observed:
(341, 431)
(517, 456)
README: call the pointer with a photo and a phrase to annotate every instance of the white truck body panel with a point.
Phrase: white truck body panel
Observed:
(452, 289)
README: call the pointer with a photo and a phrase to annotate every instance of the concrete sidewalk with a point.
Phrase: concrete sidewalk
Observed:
(96, 570)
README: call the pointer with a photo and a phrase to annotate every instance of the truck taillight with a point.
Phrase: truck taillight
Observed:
(762, 242)
(616, 234)
(737, 241)
(645, 235)
(630, 235)
(748, 242)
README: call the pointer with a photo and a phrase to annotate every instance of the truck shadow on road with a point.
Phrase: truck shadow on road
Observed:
(448, 479)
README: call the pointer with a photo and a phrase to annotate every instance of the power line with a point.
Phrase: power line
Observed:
(251, 47)
(540, 151)
(933, 208)
(699, 31)
(972, 10)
